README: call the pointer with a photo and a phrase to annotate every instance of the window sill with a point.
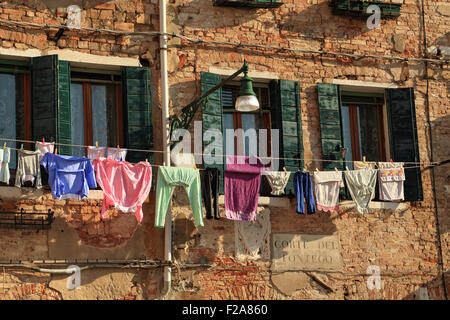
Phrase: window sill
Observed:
(29, 193)
(280, 202)
(277, 202)
(377, 205)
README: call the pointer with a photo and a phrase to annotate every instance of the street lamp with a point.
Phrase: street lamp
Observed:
(245, 102)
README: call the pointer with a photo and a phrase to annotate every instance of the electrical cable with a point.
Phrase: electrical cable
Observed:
(234, 44)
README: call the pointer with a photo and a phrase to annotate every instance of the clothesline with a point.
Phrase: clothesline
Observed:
(202, 154)
(202, 169)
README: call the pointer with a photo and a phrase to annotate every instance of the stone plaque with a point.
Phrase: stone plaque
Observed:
(305, 252)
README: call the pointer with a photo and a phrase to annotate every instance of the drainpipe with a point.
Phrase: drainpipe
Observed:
(166, 138)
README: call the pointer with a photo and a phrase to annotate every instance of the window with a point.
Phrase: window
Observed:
(14, 109)
(363, 128)
(96, 107)
(280, 109)
(379, 126)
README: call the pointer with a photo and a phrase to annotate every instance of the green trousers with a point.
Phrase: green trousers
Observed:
(168, 179)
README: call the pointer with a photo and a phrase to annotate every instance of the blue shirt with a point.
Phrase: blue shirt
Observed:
(69, 177)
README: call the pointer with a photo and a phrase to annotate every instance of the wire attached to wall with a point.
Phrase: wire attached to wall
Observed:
(417, 164)
(214, 42)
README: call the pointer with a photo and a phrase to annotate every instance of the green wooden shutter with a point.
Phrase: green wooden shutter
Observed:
(330, 125)
(44, 97)
(50, 87)
(212, 118)
(403, 138)
(64, 124)
(137, 108)
(287, 117)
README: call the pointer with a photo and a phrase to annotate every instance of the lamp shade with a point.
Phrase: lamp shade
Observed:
(246, 101)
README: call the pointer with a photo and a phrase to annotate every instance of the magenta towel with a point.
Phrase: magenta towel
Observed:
(242, 182)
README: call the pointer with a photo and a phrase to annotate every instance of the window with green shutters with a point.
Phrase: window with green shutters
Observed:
(355, 120)
(283, 113)
(79, 107)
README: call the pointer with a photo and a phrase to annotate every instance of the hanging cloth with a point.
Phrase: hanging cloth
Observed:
(125, 186)
(278, 181)
(69, 177)
(303, 191)
(391, 176)
(28, 168)
(242, 183)
(210, 188)
(361, 185)
(95, 152)
(359, 165)
(5, 155)
(326, 189)
(168, 179)
(117, 154)
(44, 147)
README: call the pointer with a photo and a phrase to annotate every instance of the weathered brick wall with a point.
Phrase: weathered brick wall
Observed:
(400, 242)
(403, 242)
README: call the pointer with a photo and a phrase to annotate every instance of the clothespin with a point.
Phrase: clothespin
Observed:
(195, 166)
(56, 150)
(96, 144)
(364, 159)
(4, 146)
(284, 168)
(304, 169)
(118, 147)
(21, 146)
(146, 160)
(336, 169)
(317, 170)
(392, 161)
(37, 148)
(43, 140)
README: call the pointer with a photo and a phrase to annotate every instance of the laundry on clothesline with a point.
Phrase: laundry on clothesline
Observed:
(125, 186)
(391, 177)
(5, 155)
(277, 181)
(28, 168)
(242, 182)
(326, 189)
(118, 154)
(95, 152)
(303, 190)
(44, 147)
(69, 177)
(361, 185)
(210, 189)
(168, 179)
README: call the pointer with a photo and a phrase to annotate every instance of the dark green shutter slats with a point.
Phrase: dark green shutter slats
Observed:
(212, 119)
(64, 124)
(286, 116)
(330, 125)
(403, 138)
(50, 87)
(44, 97)
(137, 109)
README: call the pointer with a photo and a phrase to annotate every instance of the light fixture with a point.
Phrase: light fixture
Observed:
(246, 101)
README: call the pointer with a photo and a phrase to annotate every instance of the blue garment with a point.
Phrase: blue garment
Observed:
(303, 190)
(69, 177)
